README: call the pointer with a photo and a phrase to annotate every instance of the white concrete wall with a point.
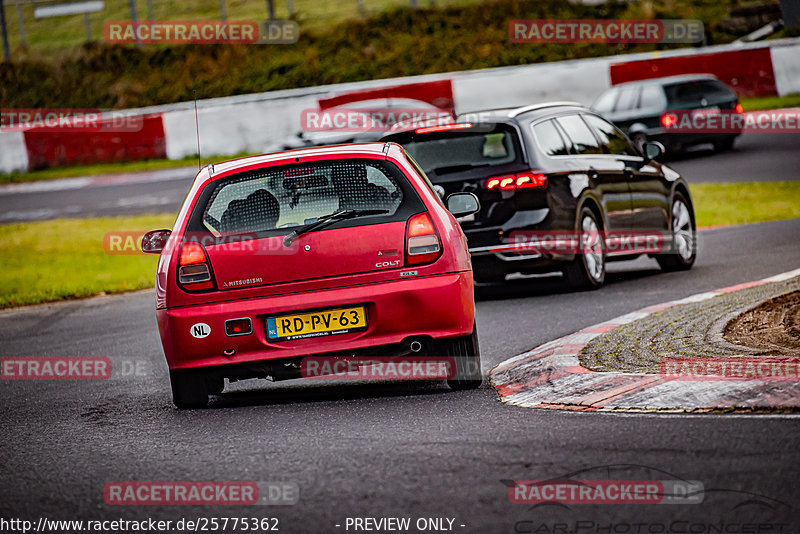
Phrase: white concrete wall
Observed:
(786, 64)
(532, 84)
(13, 155)
(233, 128)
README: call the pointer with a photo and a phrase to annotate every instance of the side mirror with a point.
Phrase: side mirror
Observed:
(653, 150)
(154, 242)
(463, 204)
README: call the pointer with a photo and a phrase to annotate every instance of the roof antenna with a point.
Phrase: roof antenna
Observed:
(197, 129)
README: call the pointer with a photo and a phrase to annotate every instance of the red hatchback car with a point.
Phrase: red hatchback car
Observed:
(342, 251)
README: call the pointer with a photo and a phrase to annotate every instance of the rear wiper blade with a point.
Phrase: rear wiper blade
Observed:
(337, 215)
(462, 167)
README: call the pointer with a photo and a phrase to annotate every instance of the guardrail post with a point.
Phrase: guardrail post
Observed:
(4, 31)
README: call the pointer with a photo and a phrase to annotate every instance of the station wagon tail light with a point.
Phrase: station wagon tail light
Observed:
(193, 270)
(521, 180)
(739, 109)
(668, 120)
(422, 240)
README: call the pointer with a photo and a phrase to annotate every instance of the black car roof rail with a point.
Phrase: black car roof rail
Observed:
(533, 107)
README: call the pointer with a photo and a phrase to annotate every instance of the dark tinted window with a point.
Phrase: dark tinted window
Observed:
(605, 102)
(285, 197)
(694, 92)
(652, 97)
(583, 141)
(549, 139)
(610, 137)
(460, 150)
(628, 98)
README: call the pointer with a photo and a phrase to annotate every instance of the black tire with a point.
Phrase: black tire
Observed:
(725, 144)
(189, 389)
(582, 273)
(467, 355)
(684, 245)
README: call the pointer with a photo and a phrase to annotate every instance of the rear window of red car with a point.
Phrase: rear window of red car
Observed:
(278, 199)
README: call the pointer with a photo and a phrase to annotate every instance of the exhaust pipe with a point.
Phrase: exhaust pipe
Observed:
(415, 346)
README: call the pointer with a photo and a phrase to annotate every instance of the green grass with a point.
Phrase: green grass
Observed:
(55, 34)
(63, 259)
(108, 168)
(55, 260)
(770, 102)
(742, 203)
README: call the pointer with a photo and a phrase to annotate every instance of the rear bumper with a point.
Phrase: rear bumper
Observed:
(439, 306)
(495, 253)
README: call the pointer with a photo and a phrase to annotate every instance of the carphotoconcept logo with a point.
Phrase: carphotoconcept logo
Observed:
(200, 32)
(606, 31)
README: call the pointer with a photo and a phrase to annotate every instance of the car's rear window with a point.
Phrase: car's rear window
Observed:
(454, 151)
(693, 92)
(285, 197)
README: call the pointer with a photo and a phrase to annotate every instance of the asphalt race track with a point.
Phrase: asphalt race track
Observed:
(756, 157)
(394, 450)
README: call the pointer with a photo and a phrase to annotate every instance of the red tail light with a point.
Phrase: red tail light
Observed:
(444, 128)
(521, 180)
(422, 240)
(668, 120)
(193, 270)
(739, 109)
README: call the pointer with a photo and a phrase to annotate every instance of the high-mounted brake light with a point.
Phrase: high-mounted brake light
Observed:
(422, 240)
(668, 120)
(521, 180)
(193, 270)
(444, 128)
(739, 109)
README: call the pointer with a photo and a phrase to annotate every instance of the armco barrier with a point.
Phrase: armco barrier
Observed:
(48, 148)
(749, 71)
